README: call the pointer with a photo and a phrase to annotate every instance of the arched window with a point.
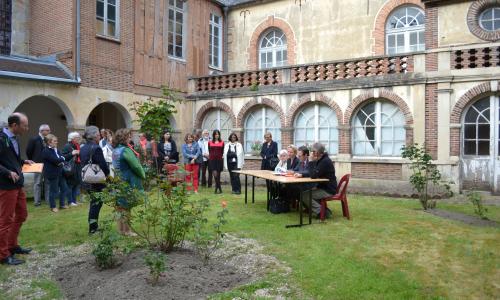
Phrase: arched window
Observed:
(489, 19)
(476, 139)
(404, 31)
(378, 130)
(317, 123)
(218, 119)
(260, 121)
(273, 49)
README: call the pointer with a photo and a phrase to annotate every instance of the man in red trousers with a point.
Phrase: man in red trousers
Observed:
(13, 210)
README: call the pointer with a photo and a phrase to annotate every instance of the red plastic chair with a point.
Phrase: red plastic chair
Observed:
(340, 196)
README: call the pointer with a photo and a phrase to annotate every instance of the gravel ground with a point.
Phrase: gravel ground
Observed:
(245, 255)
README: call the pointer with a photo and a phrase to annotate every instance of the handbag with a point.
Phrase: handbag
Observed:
(278, 205)
(69, 168)
(273, 162)
(92, 173)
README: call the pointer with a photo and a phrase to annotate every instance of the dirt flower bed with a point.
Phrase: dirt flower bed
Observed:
(238, 262)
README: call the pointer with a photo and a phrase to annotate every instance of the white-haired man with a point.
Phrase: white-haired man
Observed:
(34, 152)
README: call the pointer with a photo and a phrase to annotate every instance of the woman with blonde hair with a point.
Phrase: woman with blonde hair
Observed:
(53, 171)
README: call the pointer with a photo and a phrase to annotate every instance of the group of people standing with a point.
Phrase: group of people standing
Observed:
(212, 155)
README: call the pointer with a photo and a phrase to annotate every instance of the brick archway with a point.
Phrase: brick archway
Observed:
(303, 101)
(383, 94)
(202, 112)
(378, 32)
(479, 91)
(363, 98)
(250, 105)
(270, 22)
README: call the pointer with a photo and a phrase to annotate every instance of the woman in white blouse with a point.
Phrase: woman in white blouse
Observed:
(282, 166)
(234, 158)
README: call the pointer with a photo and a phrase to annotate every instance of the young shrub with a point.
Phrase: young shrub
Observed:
(105, 247)
(156, 262)
(424, 172)
(164, 219)
(477, 201)
(206, 240)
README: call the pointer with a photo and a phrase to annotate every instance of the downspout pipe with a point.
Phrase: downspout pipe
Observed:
(78, 42)
(226, 34)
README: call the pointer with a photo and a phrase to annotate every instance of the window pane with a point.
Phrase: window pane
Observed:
(391, 40)
(170, 49)
(178, 51)
(100, 9)
(111, 29)
(470, 132)
(483, 131)
(483, 148)
(413, 38)
(112, 2)
(111, 12)
(100, 26)
(178, 17)
(179, 4)
(470, 147)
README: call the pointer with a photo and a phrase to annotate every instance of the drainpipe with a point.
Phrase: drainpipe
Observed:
(226, 26)
(77, 50)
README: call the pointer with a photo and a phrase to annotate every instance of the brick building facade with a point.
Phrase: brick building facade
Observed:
(363, 77)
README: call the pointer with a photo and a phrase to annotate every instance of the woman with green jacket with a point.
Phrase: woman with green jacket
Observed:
(129, 168)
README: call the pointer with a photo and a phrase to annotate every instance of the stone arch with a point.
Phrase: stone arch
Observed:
(250, 105)
(54, 112)
(270, 22)
(209, 106)
(124, 113)
(481, 90)
(70, 119)
(378, 32)
(305, 100)
(383, 94)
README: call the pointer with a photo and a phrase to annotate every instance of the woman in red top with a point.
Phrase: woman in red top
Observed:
(215, 162)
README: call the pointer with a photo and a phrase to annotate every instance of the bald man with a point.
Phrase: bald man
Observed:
(13, 210)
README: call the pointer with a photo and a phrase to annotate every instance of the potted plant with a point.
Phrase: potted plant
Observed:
(256, 147)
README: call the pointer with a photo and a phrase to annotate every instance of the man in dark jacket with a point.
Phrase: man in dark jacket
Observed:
(321, 166)
(34, 153)
(13, 210)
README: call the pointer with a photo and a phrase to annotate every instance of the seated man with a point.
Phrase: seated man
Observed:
(301, 170)
(321, 166)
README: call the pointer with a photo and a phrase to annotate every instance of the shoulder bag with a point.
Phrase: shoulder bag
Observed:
(92, 173)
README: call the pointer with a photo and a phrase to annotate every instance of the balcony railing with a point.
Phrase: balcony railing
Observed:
(472, 58)
(335, 70)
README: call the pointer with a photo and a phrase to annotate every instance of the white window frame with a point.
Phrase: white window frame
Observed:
(224, 131)
(406, 31)
(378, 131)
(317, 127)
(265, 127)
(183, 11)
(490, 108)
(274, 49)
(211, 54)
(494, 17)
(105, 19)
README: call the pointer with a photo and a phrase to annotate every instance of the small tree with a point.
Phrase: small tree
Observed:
(153, 115)
(423, 173)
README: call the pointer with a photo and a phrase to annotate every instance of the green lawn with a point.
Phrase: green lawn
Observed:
(391, 249)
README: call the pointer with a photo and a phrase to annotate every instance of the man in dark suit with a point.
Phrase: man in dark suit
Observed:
(13, 210)
(292, 160)
(321, 166)
(34, 152)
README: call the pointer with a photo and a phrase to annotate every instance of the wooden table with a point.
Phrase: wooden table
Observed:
(269, 175)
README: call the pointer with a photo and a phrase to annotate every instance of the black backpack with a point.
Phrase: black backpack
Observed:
(278, 205)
